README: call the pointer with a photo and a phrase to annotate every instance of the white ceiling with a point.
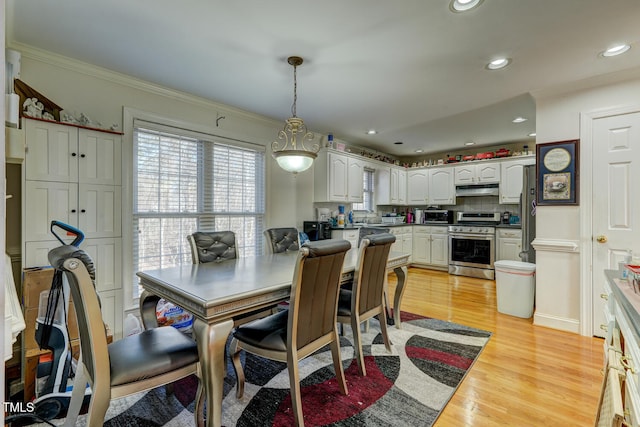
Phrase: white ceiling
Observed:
(410, 68)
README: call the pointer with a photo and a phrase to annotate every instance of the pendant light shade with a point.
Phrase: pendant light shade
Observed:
(289, 150)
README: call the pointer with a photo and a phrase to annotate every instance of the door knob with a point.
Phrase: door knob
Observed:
(601, 239)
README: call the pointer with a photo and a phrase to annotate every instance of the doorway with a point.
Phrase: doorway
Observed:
(611, 220)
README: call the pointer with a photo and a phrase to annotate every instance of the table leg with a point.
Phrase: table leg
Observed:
(401, 274)
(211, 339)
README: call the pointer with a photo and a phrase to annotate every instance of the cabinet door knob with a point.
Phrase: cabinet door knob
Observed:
(73, 211)
(83, 210)
(601, 239)
(73, 154)
(604, 297)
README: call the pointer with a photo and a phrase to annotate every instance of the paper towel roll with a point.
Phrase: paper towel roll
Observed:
(11, 109)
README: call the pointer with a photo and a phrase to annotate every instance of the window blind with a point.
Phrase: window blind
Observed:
(367, 192)
(184, 183)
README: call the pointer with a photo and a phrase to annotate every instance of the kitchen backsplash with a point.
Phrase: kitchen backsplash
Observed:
(466, 204)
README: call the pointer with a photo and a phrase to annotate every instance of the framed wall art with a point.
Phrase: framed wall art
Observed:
(558, 173)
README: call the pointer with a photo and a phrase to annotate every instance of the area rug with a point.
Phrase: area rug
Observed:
(407, 387)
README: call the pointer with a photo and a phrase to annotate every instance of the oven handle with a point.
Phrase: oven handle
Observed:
(471, 236)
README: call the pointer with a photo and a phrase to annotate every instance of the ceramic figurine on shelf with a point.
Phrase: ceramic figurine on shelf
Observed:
(33, 108)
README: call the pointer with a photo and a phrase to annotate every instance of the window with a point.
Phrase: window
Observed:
(367, 195)
(186, 182)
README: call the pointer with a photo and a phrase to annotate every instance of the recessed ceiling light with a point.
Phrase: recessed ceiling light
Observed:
(372, 132)
(532, 134)
(420, 151)
(519, 120)
(470, 143)
(463, 5)
(498, 63)
(616, 50)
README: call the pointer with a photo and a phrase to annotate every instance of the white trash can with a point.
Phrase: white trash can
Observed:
(515, 287)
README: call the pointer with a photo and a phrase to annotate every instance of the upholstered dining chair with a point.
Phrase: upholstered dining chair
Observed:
(366, 298)
(367, 231)
(210, 246)
(218, 246)
(139, 362)
(282, 240)
(306, 326)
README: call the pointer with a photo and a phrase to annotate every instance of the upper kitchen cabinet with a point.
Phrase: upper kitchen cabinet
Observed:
(511, 179)
(398, 186)
(391, 185)
(442, 190)
(418, 186)
(484, 173)
(338, 178)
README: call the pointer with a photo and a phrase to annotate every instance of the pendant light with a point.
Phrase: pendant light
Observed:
(290, 151)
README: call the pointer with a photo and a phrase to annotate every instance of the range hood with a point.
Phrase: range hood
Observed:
(477, 190)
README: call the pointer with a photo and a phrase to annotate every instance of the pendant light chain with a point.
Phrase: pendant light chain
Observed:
(295, 90)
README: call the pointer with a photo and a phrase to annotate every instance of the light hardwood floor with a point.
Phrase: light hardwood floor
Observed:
(526, 375)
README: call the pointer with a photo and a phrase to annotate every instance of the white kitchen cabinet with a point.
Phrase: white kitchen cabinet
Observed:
(382, 185)
(404, 239)
(442, 190)
(350, 234)
(511, 179)
(398, 189)
(508, 244)
(417, 186)
(431, 246)
(483, 173)
(73, 175)
(338, 177)
(355, 180)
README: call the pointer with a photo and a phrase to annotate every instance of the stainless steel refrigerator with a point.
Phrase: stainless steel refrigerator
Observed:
(528, 212)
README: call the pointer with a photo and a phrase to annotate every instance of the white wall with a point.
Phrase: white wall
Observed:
(560, 277)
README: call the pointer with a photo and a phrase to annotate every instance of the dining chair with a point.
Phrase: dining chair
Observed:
(136, 363)
(306, 326)
(366, 299)
(210, 246)
(281, 240)
(367, 231)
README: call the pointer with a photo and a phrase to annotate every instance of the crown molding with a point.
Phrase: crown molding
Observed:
(76, 66)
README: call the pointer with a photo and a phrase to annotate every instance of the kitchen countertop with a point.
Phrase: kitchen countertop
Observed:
(514, 226)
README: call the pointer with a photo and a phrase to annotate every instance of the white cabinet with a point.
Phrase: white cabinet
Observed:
(508, 244)
(338, 178)
(442, 190)
(431, 246)
(398, 189)
(355, 180)
(390, 185)
(350, 234)
(74, 175)
(511, 180)
(404, 239)
(483, 173)
(418, 186)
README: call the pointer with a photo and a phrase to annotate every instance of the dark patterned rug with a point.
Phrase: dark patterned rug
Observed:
(408, 387)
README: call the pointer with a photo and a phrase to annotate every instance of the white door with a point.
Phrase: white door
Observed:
(417, 185)
(355, 181)
(46, 201)
(440, 249)
(99, 158)
(338, 172)
(616, 205)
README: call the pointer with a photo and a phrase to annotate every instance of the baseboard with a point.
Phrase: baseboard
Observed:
(555, 322)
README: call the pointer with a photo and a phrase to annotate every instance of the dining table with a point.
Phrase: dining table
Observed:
(216, 293)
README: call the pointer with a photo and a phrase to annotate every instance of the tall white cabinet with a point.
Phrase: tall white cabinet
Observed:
(74, 175)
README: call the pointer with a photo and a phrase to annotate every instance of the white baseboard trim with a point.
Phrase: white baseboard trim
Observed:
(555, 322)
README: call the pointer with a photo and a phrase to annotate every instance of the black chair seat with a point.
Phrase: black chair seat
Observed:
(344, 302)
(150, 353)
(269, 332)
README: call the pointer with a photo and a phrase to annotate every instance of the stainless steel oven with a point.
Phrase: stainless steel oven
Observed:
(472, 245)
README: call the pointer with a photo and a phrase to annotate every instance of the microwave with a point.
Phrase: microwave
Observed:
(433, 216)
(317, 230)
